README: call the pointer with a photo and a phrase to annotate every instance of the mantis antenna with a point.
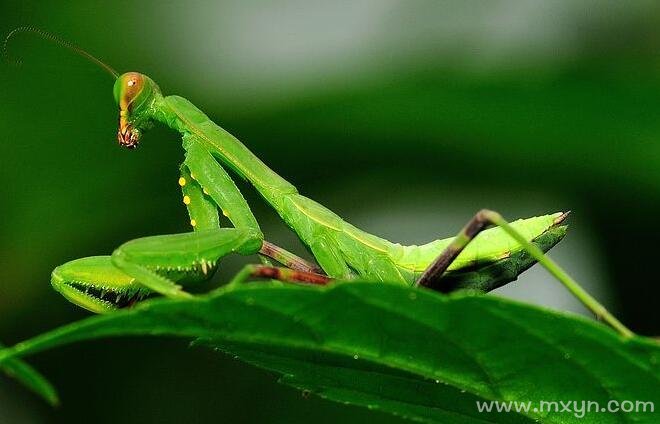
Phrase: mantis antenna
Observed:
(57, 40)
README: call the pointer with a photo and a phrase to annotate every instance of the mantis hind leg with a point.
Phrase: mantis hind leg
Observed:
(484, 218)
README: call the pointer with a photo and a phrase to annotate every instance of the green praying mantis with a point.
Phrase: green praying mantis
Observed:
(487, 253)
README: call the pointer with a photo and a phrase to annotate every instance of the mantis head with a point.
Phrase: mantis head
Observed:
(135, 94)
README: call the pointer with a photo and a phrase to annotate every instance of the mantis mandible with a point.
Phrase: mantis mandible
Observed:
(166, 264)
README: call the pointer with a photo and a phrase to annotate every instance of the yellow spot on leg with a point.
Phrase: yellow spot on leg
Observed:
(224, 212)
(193, 222)
(205, 191)
(186, 200)
(192, 176)
(182, 181)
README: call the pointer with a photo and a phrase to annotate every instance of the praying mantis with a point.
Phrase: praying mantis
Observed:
(168, 264)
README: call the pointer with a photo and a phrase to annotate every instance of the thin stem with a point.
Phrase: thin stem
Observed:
(590, 302)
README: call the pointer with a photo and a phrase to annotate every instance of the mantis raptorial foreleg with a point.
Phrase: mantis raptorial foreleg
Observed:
(149, 260)
(202, 210)
(161, 263)
(218, 185)
(206, 178)
(431, 278)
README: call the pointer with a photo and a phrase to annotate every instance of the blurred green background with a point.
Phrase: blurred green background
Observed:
(405, 117)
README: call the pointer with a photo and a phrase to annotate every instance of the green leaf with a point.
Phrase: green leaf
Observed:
(31, 378)
(384, 346)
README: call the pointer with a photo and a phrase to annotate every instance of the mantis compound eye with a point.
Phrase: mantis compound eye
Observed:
(128, 89)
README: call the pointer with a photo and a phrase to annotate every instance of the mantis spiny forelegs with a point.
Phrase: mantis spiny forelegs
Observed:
(150, 259)
(203, 176)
